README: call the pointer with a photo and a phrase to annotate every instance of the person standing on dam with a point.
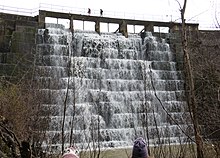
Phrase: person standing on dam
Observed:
(101, 12)
(89, 11)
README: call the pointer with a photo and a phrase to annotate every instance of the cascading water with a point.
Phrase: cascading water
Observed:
(114, 88)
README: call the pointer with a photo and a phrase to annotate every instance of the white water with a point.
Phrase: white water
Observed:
(112, 79)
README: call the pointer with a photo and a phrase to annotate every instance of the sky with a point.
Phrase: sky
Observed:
(197, 11)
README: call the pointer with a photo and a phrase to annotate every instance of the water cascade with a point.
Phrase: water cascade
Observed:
(112, 88)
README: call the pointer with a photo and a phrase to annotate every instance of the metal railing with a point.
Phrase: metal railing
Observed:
(107, 13)
(19, 11)
(83, 11)
(95, 12)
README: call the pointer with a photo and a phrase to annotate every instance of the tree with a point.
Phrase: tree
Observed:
(205, 61)
(20, 124)
(190, 85)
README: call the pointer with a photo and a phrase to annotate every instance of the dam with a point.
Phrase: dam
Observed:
(105, 89)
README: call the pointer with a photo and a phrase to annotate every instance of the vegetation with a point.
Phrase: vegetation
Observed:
(22, 127)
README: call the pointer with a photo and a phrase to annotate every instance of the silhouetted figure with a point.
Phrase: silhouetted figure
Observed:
(89, 11)
(101, 12)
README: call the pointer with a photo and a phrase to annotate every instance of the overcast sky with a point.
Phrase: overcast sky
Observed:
(201, 11)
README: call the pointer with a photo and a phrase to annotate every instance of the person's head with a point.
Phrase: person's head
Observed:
(70, 153)
(139, 149)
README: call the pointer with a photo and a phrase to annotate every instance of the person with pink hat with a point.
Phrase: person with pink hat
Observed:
(70, 153)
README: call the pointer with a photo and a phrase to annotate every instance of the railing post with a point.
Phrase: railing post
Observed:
(41, 19)
(175, 28)
(149, 27)
(123, 28)
(71, 24)
(97, 27)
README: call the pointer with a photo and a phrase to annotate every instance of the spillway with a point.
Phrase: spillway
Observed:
(111, 89)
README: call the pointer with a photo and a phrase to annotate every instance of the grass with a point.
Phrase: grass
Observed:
(109, 153)
(168, 151)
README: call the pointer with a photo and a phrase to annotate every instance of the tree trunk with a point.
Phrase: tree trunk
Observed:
(190, 81)
(64, 109)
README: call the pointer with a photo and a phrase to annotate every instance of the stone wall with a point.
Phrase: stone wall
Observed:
(17, 45)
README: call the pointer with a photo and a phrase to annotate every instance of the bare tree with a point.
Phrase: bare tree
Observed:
(145, 108)
(190, 84)
(20, 122)
(205, 61)
(64, 111)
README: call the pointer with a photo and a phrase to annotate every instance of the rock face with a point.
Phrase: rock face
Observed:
(114, 88)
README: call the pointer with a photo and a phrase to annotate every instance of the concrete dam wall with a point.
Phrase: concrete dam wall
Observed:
(112, 87)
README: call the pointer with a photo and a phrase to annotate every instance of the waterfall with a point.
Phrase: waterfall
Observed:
(110, 86)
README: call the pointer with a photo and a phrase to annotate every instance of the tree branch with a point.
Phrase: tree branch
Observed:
(154, 89)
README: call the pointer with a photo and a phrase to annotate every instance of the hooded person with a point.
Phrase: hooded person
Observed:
(70, 153)
(139, 149)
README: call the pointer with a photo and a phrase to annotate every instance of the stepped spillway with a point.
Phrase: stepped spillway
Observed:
(112, 87)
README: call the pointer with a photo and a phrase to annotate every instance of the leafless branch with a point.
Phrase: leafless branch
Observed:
(165, 108)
